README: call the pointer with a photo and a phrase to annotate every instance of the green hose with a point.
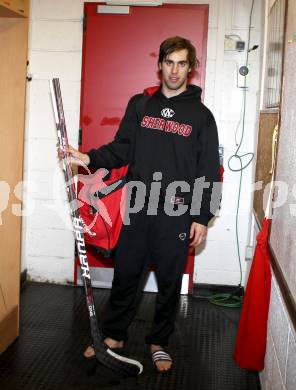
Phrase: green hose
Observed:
(234, 299)
(226, 300)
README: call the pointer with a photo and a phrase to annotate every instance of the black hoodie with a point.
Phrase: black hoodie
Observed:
(176, 136)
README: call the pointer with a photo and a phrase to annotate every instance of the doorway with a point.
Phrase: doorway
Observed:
(120, 52)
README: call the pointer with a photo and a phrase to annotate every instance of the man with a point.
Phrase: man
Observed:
(169, 137)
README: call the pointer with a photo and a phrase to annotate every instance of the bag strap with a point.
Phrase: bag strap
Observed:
(115, 186)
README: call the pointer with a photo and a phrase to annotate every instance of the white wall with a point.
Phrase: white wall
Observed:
(280, 360)
(55, 50)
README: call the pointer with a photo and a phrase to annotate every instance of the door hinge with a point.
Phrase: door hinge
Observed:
(80, 137)
(84, 23)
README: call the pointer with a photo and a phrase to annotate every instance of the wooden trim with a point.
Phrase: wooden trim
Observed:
(14, 8)
(13, 71)
(9, 328)
(270, 111)
(267, 122)
(283, 285)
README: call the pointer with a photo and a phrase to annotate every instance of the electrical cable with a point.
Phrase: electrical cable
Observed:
(241, 156)
(239, 122)
(232, 299)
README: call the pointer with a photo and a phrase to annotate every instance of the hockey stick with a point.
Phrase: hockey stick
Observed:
(122, 365)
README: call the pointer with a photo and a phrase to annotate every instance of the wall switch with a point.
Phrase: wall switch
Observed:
(229, 44)
(240, 45)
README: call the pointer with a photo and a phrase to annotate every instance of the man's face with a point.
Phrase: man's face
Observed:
(175, 69)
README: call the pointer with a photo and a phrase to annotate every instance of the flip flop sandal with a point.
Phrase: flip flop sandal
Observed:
(92, 356)
(160, 356)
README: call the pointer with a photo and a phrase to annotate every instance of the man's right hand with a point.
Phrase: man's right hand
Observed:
(76, 157)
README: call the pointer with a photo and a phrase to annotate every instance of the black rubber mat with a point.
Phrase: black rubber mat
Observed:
(55, 331)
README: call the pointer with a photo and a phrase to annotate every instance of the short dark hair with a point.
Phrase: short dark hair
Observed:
(175, 44)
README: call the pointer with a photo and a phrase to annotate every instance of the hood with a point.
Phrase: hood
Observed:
(192, 91)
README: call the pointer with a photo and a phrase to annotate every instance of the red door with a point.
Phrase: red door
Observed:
(120, 54)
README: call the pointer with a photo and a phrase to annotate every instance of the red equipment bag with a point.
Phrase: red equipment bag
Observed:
(101, 201)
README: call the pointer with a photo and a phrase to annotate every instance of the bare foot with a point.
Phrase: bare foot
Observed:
(89, 352)
(112, 344)
(161, 365)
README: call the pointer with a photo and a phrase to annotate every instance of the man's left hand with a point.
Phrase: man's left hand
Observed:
(198, 234)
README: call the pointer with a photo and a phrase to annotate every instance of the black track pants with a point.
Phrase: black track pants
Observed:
(160, 240)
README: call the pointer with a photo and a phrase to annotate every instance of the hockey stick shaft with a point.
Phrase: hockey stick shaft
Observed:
(71, 192)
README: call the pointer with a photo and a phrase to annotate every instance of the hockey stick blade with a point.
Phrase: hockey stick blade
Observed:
(120, 364)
